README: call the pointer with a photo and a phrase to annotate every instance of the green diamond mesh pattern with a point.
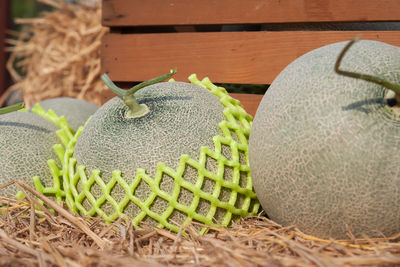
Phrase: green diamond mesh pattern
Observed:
(65, 134)
(240, 201)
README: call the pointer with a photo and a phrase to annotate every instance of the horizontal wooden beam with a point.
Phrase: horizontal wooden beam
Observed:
(225, 57)
(184, 12)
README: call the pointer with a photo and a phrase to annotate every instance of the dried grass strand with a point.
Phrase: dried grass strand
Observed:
(77, 221)
(58, 53)
(254, 241)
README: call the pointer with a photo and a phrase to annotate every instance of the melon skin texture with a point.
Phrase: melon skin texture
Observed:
(76, 111)
(182, 117)
(324, 149)
(26, 143)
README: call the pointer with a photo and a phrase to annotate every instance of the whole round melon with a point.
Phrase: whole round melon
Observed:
(76, 111)
(182, 118)
(161, 157)
(26, 143)
(324, 149)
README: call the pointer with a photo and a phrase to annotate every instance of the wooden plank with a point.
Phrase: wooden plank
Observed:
(4, 11)
(225, 57)
(181, 12)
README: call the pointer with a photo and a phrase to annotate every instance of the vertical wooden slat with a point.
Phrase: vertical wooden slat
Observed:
(4, 16)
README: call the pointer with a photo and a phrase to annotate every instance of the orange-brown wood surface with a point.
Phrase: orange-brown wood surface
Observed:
(227, 57)
(177, 12)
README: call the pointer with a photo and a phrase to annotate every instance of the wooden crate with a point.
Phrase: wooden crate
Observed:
(149, 37)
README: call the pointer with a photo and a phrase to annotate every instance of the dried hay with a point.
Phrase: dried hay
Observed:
(29, 237)
(59, 53)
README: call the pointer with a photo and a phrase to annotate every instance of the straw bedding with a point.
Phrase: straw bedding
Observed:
(59, 54)
(60, 57)
(29, 237)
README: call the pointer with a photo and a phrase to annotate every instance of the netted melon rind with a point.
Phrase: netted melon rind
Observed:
(64, 134)
(237, 122)
(76, 111)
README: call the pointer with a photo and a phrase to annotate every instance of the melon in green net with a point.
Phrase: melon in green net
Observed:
(76, 111)
(174, 152)
(26, 143)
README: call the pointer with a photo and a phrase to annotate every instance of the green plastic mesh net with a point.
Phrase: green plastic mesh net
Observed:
(230, 198)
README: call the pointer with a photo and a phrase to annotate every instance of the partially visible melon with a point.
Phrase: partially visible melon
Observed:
(26, 143)
(76, 111)
(324, 149)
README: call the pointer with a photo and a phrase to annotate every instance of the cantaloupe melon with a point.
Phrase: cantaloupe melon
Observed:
(183, 157)
(182, 118)
(325, 149)
(76, 111)
(26, 143)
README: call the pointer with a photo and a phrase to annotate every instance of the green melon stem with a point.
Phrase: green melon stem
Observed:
(12, 108)
(135, 109)
(392, 86)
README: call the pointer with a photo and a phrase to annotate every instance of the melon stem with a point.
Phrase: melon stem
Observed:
(12, 108)
(369, 78)
(135, 109)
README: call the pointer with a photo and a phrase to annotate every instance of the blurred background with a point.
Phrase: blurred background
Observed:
(51, 48)
(43, 53)
(9, 10)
